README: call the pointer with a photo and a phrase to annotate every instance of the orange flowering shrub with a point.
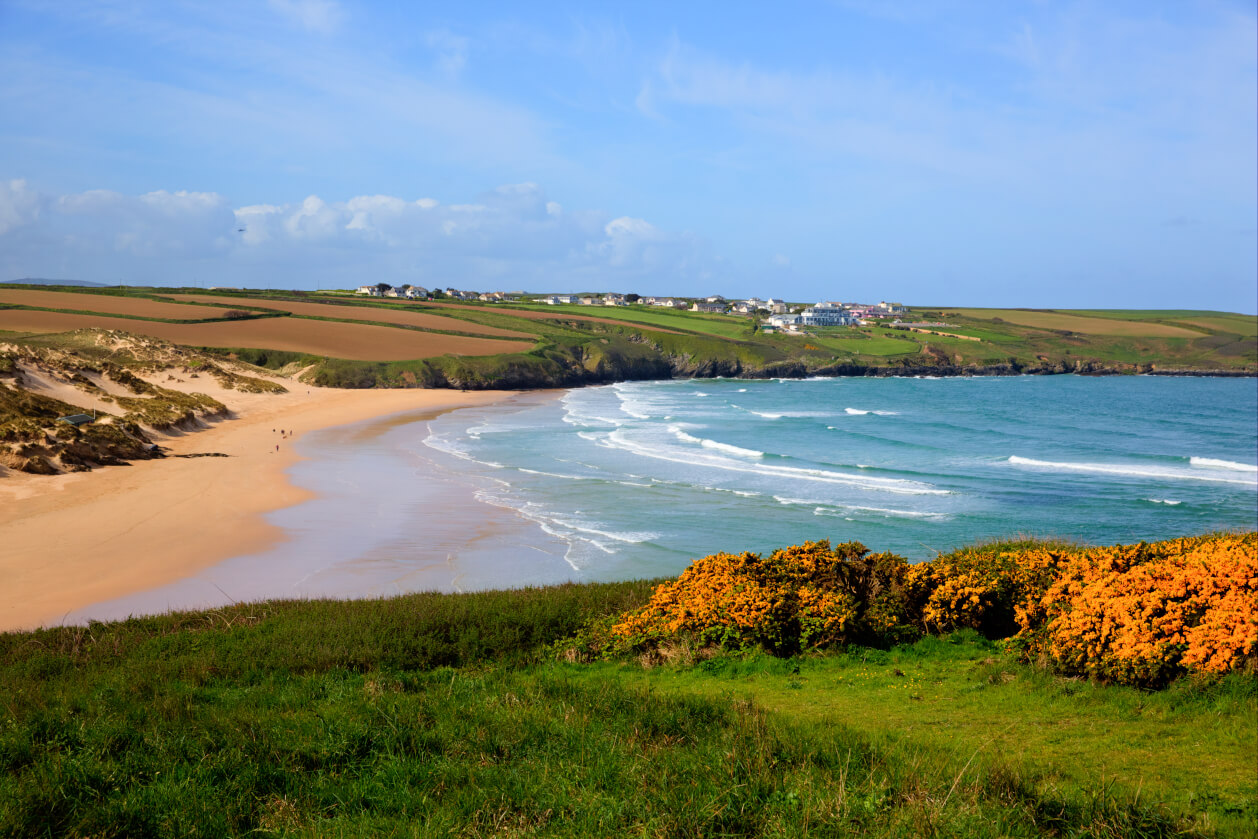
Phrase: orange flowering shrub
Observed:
(796, 598)
(1136, 614)
(1144, 614)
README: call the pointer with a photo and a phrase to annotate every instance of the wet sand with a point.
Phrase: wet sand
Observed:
(70, 541)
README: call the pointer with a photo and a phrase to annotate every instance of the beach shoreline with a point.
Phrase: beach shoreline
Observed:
(78, 539)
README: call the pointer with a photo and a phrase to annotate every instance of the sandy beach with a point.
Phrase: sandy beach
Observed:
(68, 541)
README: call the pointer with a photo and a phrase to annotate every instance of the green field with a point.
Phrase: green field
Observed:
(588, 344)
(432, 715)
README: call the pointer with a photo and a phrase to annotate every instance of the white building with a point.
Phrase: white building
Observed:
(370, 290)
(826, 314)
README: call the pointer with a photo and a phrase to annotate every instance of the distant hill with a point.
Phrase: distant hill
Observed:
(43, 281)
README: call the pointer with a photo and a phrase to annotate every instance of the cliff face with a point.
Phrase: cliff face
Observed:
(602, 364)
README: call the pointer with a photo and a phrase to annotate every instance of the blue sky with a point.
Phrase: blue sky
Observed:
(1067, 154)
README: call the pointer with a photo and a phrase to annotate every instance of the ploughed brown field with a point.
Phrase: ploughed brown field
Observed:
(113, 305)
(528, 314)
(1080, 324)
(380, 315)
(354, 341)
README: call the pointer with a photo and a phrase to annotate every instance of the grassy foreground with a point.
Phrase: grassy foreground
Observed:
(439, 715)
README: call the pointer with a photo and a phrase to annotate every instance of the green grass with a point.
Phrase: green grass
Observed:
(578, 352)
(432, 715)
(704, 323)
(1190, 748)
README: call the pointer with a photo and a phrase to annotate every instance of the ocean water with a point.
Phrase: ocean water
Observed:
(638, 479)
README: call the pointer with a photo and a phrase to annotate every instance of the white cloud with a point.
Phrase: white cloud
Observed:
(512, 235)
(18, 205)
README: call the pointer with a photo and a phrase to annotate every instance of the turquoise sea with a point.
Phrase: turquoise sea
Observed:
(638, 479)
(643, 477)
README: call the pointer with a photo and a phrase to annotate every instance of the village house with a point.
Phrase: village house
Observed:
(826, 314)
(370, 290)
(588, 301)
(707, 306)
(775, 306)
(669, 303)
(416, 292)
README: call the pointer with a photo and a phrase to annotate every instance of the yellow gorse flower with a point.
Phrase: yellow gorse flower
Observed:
(1137, 614)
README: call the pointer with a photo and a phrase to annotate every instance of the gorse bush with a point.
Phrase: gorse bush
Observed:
(1134, 614)
(795, 599)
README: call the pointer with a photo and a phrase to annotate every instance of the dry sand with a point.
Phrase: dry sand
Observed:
(72, 540)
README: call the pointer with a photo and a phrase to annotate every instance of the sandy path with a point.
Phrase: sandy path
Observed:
(72, 540)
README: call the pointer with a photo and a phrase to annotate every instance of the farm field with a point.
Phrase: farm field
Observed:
(115, 304)
(721, 326)
(568, 313)
(355, 342)
(379, 314)
(1077, 323)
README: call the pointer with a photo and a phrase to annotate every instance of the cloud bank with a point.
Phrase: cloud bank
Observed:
(512, 237)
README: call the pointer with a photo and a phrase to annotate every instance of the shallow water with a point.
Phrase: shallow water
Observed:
(637, 479)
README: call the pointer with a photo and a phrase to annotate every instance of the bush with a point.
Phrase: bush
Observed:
(798, 598)
(1135, 614)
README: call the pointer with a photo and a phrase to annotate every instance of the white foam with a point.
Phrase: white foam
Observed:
(1166, 501)
(713, 444)
(1130, 470)
(731, 449)
(767, 415)
(857, 412)
(1231, 465)
(558, 475)
(617, 439)
(632, 537)
(843, 509)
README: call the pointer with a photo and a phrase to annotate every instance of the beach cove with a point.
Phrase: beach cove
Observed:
(392, 492)
(69, 541)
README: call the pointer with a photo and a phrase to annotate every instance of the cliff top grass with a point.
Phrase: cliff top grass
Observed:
(1009, 340)
(451, 715)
